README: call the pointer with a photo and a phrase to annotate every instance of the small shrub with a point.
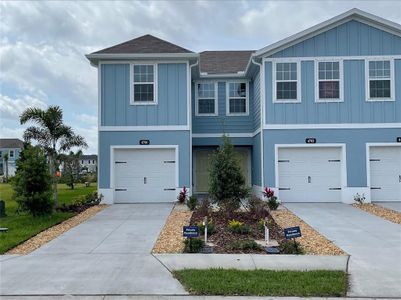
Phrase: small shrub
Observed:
(243, 245)
(360, 199)
(193, 245)
(257, 207)
(205, 207)
(192, 203)
(238, 227)
(261, 225)
(183, 195)
(268, 193)
(291, 247)
(273, 203)
(210, 228)
(82, 202)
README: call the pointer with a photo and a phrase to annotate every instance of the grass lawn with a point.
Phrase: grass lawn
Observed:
(23, 226)
(263, 282)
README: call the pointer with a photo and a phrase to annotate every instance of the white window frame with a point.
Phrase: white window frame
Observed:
(216, 106)
(367, 80)
(298, 81)
(132, 83)
(246, 113)
(340, 80)
(13, 153)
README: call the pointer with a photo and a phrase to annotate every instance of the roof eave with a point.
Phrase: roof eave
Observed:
(94, 58)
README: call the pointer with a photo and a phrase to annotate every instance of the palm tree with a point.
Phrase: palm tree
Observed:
(52, 135)
(5, 157)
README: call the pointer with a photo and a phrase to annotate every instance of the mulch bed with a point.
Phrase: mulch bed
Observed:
(222, 238)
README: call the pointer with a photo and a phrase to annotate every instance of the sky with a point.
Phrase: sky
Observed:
(43, 43)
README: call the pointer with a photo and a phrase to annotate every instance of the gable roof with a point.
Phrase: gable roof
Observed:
(224, 62)
(11, 143)
(353, 14)
(144, 44)
(88, 156)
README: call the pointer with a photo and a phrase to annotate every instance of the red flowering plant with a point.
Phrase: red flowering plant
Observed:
(268, 192)
(272, 201)
(183, 195)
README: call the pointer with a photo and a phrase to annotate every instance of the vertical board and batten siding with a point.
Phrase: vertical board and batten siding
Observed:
(256, 160)
(171, 107)
(222, 122)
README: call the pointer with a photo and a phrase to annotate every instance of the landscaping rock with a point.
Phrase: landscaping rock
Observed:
(380, 211)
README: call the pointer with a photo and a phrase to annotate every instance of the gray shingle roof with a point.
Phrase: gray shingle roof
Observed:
(11, 143)
(224, 62)
(144, 44)
(88, 156)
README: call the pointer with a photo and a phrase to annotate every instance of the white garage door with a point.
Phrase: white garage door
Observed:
(309, 174)
(385, 173)
(144, 175)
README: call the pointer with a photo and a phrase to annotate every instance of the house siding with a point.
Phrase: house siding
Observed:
(256, 101)
(171, 107)
(256, 160)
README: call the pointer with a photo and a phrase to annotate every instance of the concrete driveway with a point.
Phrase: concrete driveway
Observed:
(373, 243)
(108, 254)
(394, 205)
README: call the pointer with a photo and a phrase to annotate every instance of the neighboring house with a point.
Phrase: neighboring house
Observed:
(316, 116)
(12, 147)
(88, 163)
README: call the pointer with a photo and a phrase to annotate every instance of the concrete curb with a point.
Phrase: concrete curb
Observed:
(253, 261)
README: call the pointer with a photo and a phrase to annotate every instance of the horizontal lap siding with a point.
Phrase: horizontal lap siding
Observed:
(171, 108)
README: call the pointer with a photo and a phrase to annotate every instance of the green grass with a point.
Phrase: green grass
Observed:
(23, 226)
(263, 282)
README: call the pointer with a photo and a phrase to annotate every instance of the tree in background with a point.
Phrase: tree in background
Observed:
(5, 157)
(52, 135)
(71, 167)
(32, 182)
(226, 183)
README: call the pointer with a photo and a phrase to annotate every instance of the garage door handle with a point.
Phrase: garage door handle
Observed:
(309, 179)
(169, 189)
(120, 190)
(144, 180)
(399, 178)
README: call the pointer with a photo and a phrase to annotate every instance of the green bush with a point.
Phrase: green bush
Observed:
(192, 202)
(291, 247)
(32, 182)
(193, 245)
(243, 245)
(226, 183)
(238, 227)
(257, 207)
(210, 228)
(273, 203)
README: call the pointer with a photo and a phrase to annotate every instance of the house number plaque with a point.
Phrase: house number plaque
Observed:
(399, 139)
(144, 142)
(310, 140)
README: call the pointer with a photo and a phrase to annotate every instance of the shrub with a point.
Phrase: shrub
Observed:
(226, 182)
(205, 207)
(82, 202)
(257, 207)
(193, 245)
(272, 201)
(238, 227)
(192, 202)
(210, 228)
(243, 245)
(360, 199)
(291, 247)
(32, 182)
(183, 195)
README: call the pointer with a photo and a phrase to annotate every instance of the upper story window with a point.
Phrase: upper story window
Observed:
(380, 80)
(144, 84)
(206, 100)
(1, 154)
(329, 81)
(237, 103)
(286, 87)
(11, 153)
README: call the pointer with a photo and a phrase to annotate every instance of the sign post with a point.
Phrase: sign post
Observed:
(205, 224)
(293, 233)
(265, 223)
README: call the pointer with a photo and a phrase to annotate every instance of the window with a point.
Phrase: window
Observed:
(82, 162)
(329, 81)
(380, 80)
(237, 103)
(11, 153)
(144, 87)
(206, 99)
(286, 82)
(1, 154)
(93, 162)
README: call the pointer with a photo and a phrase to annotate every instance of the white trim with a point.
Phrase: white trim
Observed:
(95, 58)
(99, 117)
(246, 113)
(116, 147)
(367, 80)
(146, 62)
(343, 147)
(333, 126)
(340, 80)
(233, 135)
(370, 145)
(262, 120)
(298, 81)
(216, 106)
(353, 14)
(330, 58)
(155, 83)
(190, 125)
(145, 128)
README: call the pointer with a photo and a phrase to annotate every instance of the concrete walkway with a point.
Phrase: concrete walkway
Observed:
(108, 254)
(395, 205)
(373, 243)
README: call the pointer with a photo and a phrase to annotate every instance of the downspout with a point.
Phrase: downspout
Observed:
(261, 87)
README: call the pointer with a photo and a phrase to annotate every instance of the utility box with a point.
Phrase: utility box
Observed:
(2, 208)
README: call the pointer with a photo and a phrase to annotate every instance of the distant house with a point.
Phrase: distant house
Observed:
(88, 163)
(12, 147)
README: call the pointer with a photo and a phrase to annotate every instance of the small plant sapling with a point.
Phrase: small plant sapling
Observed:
(183, 195)
(192, 203)
(272, 201)
(360, 199)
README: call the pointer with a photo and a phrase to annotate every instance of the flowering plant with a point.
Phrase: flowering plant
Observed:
(268, 192)
(272, 200)
(183, 195)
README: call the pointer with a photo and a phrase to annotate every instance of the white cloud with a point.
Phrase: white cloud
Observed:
(11, 108)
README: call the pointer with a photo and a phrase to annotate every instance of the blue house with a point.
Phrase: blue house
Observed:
(316, 116)
(10, 150)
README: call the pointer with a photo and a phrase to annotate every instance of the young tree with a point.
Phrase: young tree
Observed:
(52, 135)
(71, 167)
(32, 182)
(226, 184)
(5, 157)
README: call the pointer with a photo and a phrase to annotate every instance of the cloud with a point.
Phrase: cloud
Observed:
(87, 119)
(11, 108)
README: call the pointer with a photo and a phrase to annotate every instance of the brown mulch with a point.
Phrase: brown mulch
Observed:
(170, 239)
(222, 238)
(311, 241)
(380, 211)
(53, 232)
